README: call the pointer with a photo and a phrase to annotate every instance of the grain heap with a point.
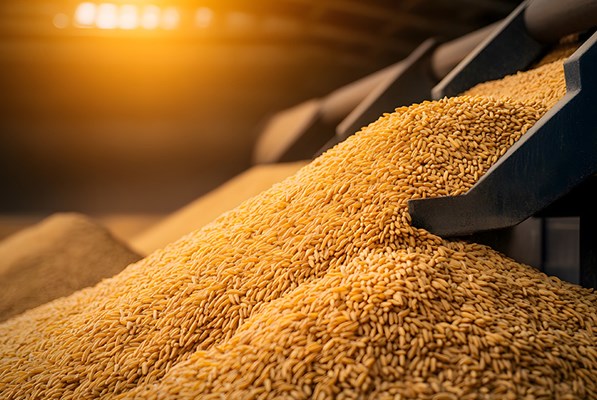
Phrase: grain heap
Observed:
(321, 287)
(61, 254)
(209, 207)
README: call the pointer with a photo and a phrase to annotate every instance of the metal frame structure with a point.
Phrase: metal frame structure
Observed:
(547, 173)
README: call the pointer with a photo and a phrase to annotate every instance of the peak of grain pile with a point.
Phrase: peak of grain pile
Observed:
(61, 254)
(320, 287)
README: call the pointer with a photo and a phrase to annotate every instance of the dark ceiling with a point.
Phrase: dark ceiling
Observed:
(144, 121)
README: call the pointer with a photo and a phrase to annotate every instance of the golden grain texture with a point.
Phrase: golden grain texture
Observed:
(458, 322)
(177, 304)
(545, 84)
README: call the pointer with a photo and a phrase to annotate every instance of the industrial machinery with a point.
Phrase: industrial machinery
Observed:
(549, 173)
(317, 124)
(534, 203)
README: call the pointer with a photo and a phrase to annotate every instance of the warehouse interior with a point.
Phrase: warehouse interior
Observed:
(136, 123)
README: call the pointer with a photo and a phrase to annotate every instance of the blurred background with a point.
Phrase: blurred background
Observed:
(128, 110)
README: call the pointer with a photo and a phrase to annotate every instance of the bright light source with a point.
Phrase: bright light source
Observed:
(122, 16)
(60, 21)
(151, 17)
(170, 18)
(129, 18)
(85, 14)
(107, 16)
(203, 17)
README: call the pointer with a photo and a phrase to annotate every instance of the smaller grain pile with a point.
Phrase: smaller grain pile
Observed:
(62, 254)
(205, 209)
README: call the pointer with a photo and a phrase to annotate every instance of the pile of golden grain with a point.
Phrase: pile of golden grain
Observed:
(320, 288)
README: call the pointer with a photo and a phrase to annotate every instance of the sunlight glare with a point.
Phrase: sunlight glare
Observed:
(85, 14)
(107, 16)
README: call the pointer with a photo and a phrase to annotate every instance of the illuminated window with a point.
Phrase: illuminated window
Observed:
(151, 17)
(170, 18)
(129, 18)
(85, 14)
(123, 16)
(107, 16)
